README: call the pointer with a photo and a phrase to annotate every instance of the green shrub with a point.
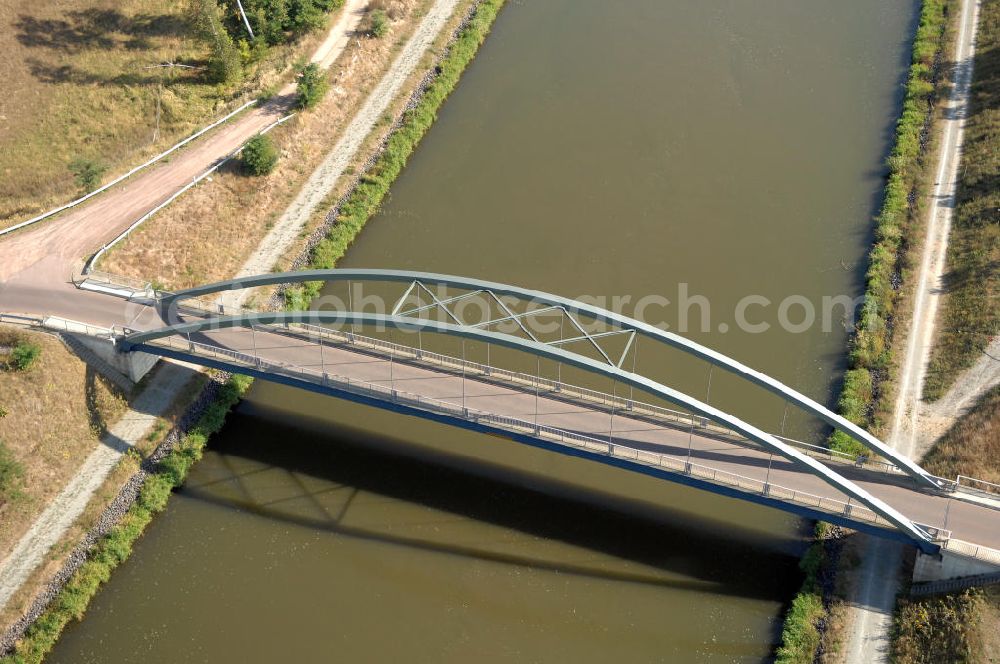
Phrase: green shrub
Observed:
(260, 155)
(380, 24)
(11, 474)
(800, 635)
(312, 86)
(24, 355)
(87, 172)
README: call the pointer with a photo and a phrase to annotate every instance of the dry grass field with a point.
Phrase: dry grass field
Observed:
(56, 413)
(81, 82)
(224, 220)
(972, 446)
(77, 86)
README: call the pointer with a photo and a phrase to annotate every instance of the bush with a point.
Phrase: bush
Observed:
(800, 635)
(380, 24)
(24, 355)
(11, 474)
(259, 155)
(312, 86)
(938, 629)
(88, 173)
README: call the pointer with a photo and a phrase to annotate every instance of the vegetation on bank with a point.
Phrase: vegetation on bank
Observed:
(367, 196)
(51, 418)
(72, 600)
(11, 474)
(23, 355)
(800, 634)
(379, 24)
(952, 629)
(970, 315)
(864, 396)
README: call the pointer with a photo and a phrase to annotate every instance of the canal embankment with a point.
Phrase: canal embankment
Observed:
(963, 625)
(345, 220)
(109, 543)
(819, 622)
(146, 492)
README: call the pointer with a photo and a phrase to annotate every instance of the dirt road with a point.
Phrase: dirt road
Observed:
(51, 250)
(874, 597)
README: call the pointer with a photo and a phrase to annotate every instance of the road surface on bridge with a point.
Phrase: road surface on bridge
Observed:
(967, 521)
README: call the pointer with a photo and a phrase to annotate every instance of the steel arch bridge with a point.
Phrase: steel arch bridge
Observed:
(422, 295)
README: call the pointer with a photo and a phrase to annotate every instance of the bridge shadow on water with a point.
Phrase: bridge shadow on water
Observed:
(654, 546)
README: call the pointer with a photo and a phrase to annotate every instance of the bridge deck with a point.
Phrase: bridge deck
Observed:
(735, 465)
(513, 407)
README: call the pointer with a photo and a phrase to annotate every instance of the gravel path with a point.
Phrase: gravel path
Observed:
(873, 599)
(319, 185)
(937, 417)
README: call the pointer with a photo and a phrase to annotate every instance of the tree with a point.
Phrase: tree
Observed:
(305, 15)
(312, 86)
(224, 64)
(270, 18)
(88, 173)
(260, 155)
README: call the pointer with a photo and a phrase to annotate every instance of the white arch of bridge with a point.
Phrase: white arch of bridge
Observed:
(427, 280)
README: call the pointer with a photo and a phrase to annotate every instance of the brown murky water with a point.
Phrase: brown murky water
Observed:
(593, 149)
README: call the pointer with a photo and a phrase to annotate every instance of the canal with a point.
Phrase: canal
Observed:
(593, 149)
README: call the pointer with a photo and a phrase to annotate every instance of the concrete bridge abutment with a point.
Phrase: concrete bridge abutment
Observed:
(131, 366)
(947, 565)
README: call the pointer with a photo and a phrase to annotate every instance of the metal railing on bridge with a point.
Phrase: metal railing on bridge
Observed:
(669, 462)
(554, 387)
(672, 463)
